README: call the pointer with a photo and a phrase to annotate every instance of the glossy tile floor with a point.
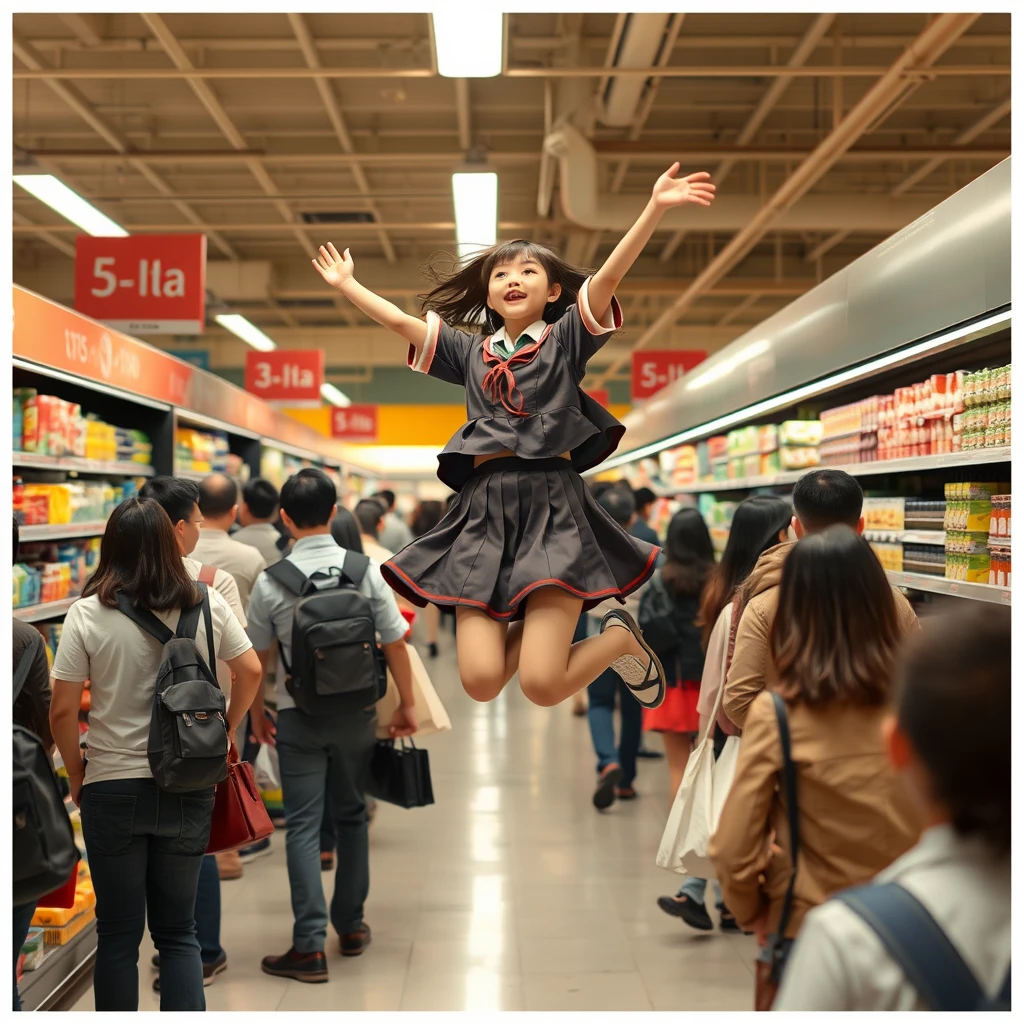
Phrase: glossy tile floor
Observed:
(510, 893)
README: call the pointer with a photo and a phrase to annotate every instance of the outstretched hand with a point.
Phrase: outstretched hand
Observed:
(694, 188)
(334, 268)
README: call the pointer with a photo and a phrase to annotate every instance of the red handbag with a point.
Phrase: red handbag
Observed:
(63, 897)
(239, 817)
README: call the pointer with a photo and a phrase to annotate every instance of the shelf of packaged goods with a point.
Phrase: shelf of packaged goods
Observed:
(921, 464)
(190, 474)
(60, 969)
(954, 588)
(61, 531)
(42, 612)
(933, 537)
(29, 460)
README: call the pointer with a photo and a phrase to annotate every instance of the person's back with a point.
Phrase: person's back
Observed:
(256, 514)
(834, 653)
(821, 499)
(953, 695)
(394, 533)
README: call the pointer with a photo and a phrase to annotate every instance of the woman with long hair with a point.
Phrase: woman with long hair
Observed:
(427, 517)
(345, 530)
(759, 523)
(145, 845)
(834, 643)
(668, 616)
(526, 548)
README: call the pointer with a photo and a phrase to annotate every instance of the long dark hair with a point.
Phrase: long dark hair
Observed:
(836, 632)
(756, 525)
(345, 530)
(689, 553)
(427, 516)
(139, 555)
(459, 295)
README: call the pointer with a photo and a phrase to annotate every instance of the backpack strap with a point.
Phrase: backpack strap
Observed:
(916, 941)
(789, 786)
(354, 567)
(188, 624)
(25, 664)
(289, 575)
(207, 574)
(143, 618)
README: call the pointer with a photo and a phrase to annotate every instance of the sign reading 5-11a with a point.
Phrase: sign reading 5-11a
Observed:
(293, 375)
(143, 284)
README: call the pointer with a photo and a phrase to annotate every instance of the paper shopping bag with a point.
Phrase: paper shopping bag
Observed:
(431, 716)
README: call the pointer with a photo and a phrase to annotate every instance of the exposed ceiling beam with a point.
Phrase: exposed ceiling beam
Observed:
(827, 245)
(879, 101)
(312, 57)
(47, 236)
(993, 117)
(81, 106)
(739, 309)
(674, 71)
(89, 28)
(462, 112)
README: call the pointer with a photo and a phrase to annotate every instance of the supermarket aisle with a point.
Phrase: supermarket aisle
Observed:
(512, 892)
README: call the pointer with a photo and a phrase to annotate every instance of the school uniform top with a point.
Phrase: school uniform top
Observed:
(528, 402)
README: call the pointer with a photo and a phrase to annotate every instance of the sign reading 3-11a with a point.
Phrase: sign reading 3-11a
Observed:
(285, 375)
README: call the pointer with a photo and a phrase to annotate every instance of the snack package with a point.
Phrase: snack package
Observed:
(798, 458)
(800, 433)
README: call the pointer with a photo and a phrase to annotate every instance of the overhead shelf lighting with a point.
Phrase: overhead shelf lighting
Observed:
(468, 41)
(70, 205)
(475, 195)
(820, 387)
(248, 332)
(329, 393)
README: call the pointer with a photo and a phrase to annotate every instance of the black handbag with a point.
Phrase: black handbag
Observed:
(400, 774)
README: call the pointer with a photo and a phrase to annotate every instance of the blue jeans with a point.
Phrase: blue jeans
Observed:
(22, 923)
(208, 911)
(326, 760)
(696, 888)
(146, 849)
(601, 695)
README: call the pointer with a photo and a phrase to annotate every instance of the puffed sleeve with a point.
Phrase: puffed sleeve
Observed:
(445, 352)
(579, 332)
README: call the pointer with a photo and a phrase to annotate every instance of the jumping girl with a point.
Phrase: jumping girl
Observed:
(525, 547)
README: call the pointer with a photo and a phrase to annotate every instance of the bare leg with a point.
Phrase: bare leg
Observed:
(488, 652)
(551, 667)
(433, 615)
(678, 746)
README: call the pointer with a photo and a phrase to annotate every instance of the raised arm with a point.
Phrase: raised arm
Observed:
(668, 191)
(339, 272)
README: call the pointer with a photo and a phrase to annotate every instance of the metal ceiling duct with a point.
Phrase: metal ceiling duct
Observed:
(584, 204)
(640, 45)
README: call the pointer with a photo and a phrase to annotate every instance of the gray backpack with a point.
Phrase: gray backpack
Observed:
(188, 732)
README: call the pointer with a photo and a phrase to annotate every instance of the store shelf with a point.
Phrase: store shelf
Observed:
(29, 460)
(935, 537)
(924, 463)
(61, 531)
(61, 967)
(188, 474)
(939, 585)
(42, 612)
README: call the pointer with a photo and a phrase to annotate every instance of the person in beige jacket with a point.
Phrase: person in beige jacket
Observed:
(834, 651)
(822, 498)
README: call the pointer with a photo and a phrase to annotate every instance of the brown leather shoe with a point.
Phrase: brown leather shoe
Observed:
(229, 865)
(355, 943)
(308, 967)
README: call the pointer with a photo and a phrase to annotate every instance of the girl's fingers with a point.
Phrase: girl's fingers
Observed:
(671, 172)
(326, 255)
(334, 252)
(320, 269)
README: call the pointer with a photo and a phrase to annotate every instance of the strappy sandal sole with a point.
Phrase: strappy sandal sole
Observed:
(632, 670)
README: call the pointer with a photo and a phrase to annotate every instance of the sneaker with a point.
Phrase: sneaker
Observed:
(307, 967)
(604, 795)
(645, 678)
(355, 943)
(693, 913)
(229, 865)
(326, 861)
(210, 971)
(257, 850)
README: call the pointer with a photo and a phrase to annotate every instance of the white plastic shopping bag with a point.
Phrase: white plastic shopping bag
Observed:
(698, 805)
(431, 716)
(268, 778)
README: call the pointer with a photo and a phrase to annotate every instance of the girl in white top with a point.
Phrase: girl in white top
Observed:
(145, 845)
(758, 523)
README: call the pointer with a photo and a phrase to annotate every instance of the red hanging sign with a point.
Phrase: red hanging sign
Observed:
(292, 375)
(654, 370)
(143, 284)
(356, 424)
(601, 396)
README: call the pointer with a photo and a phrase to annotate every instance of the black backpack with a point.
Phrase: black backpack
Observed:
(188, 733)
(44, 842)
(669, 627)
(336, 664)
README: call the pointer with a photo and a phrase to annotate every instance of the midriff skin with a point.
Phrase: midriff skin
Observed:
(504, 454)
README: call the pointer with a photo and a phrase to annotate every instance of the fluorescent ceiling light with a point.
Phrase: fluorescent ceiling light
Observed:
(475, 194)
(248, 332)
(69, 204)
(331, 394)
(468, 41)
(788, 398)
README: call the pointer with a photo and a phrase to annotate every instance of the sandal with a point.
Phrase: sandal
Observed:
(625, 793)
(604, 795)
(646, 682)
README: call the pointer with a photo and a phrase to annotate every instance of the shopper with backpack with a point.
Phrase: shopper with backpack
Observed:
(147, 637)
(43, 844)
(932, 932)
(326, 607)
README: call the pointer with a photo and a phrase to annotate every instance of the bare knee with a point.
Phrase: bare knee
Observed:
(482, 685)
(540, 687)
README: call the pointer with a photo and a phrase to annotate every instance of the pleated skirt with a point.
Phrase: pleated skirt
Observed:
(519, 525)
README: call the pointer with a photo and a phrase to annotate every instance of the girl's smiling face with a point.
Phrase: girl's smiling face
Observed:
(519, 290)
